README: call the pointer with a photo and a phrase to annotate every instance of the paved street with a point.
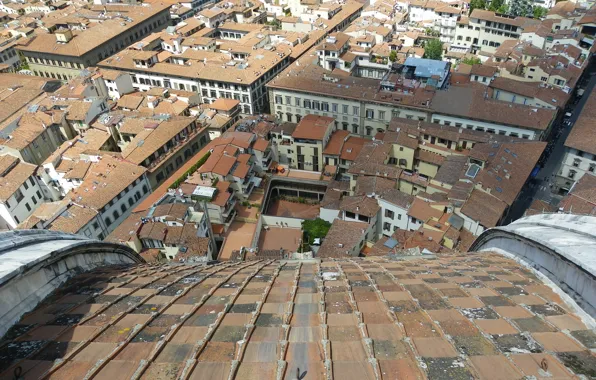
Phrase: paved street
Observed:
(540, 186)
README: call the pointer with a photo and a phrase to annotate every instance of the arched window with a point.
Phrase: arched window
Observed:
(108, 221)
(145, 190)
(123, 208)
(131, 202)
(115, 214)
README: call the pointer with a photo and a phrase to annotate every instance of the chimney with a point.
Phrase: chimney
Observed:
(63, 35)
(152, 102)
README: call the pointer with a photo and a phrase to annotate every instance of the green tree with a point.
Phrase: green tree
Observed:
(433, 49)
(477, 4)
(393, 56)
(495, 5)
(503, 9)
(539, 12)
(314, 229)
(471, 61)
(520, 8)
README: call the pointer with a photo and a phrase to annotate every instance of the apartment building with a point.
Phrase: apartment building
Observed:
(77, 42)
(20, 193)
(67, 166)
(534, 94)
(361, 106)
(34, 135)
(66, 216)
(213, 74)
(365, 106)
(485, 31)
(309, 140)
(171, 230)
(441, 15)
(470, 108)
(161, 144)
(580, 153)
(230, 161)
(113, 187)
(8, 55)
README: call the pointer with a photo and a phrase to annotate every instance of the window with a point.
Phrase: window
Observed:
(297, 102)
(278, 99)
(334, 107)
(387, 226)
(38, 194)
(107, 221)
(131, 202)
(18, 195)
(389, 214)
(26, 186)
(398, 216)
(288, 100)
(145, 190)
(350, 215)
(31, 180)
(572, 174)
(576, 162)
(345, 109)
(592, 168)
(27, 206)
(544, 79)
(355, 110)
(370, 114)
(123, 208)
(306, 103)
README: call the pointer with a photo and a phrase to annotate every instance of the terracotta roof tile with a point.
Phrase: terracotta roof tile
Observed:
(441, 321)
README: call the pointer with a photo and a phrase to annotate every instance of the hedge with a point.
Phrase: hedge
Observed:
(192, 169)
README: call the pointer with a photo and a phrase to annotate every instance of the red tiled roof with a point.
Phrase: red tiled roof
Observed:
(422, 319)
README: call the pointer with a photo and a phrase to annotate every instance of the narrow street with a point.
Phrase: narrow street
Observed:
(540, 186)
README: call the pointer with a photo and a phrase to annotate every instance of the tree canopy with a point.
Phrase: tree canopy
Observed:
(520, 8)
(471, 61)
(539, 12)
(317, 228)
(393, 56)
(433, 49)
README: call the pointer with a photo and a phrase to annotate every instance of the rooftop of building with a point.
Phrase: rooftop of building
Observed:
(104, 181)
(13, 173)
(101, 26)
(161, 318)
(583, 135)
(313, 127)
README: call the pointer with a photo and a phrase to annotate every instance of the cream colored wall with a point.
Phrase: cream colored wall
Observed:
(427, 169)
(401, 152)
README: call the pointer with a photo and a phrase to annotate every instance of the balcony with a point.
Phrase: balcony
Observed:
(229, 206)
(173, 148)
(445, 23)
